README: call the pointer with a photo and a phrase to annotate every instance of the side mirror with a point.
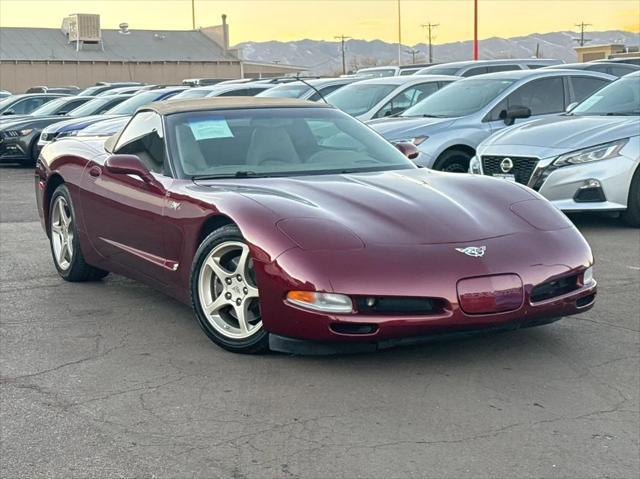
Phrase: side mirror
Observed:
(131, 165)
(408, 149)
(511, 114)
(9, 112)
(571, 106)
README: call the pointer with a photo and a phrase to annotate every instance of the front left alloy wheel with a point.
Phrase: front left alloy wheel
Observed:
(63, 238)
(224, 292)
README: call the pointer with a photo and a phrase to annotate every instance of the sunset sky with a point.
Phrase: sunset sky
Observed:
(284, 20)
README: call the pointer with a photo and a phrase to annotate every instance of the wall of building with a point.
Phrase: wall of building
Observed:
(19, 76)
(597, 52)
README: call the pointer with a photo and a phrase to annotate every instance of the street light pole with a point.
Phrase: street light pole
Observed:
(193, 14)
(413, 52)
(475, 29)
(399, 36)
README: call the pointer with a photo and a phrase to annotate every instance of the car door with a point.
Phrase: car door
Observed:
(123, 215)
(543, 96)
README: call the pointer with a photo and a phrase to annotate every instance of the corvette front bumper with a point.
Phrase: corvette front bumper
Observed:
(407, 273)
(284, 344)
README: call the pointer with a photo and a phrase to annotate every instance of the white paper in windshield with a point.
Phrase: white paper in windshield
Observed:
(210, 128)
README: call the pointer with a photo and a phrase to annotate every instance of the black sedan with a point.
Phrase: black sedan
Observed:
(26, 103)
(19, 133)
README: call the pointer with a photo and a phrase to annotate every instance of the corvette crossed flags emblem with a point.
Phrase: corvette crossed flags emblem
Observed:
(475, 251)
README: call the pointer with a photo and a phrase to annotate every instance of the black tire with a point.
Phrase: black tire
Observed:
(453, 161)
(631, 215)
(77, 270)
(258, 342)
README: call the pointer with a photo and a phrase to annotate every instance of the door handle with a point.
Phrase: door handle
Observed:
(95, 171)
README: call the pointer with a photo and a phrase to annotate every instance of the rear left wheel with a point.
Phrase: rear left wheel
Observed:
(224, 292)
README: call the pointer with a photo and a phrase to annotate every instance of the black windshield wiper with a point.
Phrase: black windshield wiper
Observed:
(622, 113)
(237, 174)
(426, 115)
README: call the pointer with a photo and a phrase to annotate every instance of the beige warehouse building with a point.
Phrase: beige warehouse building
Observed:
(71, 56)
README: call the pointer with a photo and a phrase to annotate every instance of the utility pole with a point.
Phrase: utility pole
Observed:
(342, 38)
(399, 36)
(429, 27)
(413, 52)
(582, 40)
(193, 14)
(475, 29)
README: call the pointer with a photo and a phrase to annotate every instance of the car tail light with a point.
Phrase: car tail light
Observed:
(490, 294)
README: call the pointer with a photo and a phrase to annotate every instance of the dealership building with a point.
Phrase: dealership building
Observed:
(81, 53)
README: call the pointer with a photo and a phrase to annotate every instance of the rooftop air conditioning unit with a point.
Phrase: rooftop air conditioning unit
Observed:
(82, 28)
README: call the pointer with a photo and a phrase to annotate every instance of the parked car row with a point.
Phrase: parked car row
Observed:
(447, 119)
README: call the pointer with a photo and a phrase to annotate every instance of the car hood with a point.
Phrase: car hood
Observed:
(415, 206)
(12, 118)
(567, 132)
(30, 122)
(398, 127)
(78, 123)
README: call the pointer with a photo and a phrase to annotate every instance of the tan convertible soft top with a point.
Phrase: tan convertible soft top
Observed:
(168, 107)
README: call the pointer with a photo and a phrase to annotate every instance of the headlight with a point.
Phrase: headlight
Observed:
(595, 153)
(64, 134)
(474, 166)
(417, 140)
(587, 276)
(14, 133)
(325, 302)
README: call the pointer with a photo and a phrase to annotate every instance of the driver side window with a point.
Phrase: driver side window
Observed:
(144, 137)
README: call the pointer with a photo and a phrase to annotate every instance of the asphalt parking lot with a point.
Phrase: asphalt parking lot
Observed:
(113, 379)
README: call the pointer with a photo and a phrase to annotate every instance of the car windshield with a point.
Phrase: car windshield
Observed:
(286, 91)
(193, 93)
(129, 107)
(621, 97)
(358, 99)
(459, 98)
(6, 102)
(90, 107)
(49, 108)
(378, 72)
(439, 70)
(276, 142)
(92, 90)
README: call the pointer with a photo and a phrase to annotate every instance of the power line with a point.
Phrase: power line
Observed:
(342, 38)
(429, 27)
(413, 52)
(582, 40)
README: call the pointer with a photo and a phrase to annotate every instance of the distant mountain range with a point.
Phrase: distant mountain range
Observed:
(323, 57)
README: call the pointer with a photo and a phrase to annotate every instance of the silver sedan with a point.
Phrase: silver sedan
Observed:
(586, 160)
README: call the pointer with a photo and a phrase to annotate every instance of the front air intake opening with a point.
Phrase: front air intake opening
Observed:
(585, 300)
(353, 328)
(553, 289)
(399, 305)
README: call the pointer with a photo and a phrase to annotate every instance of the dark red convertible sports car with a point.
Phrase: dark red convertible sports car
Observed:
(292, 226)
